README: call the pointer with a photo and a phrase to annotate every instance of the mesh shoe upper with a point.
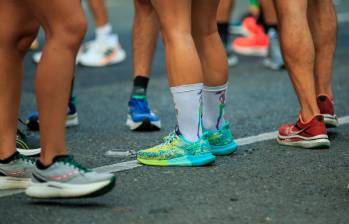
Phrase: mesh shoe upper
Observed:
(140, 111)
(220, 137)
(314, 127)
(175, 146)
(19, 166)
(64, 169)
(325, 105)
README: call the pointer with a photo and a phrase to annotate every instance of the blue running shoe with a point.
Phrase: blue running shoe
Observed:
(221, 141)
(72, 117)
(140, 117)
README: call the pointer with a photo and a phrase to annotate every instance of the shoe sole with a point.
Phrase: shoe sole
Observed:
(190, 161)
(232, 61)
(273, 66)
(318, 142)
(7, 183)
(120, 58)
(51, 190)
(257, 51)
(330, 121)
(29, 152)
(224, 150)
(144, 125)
(72, 120)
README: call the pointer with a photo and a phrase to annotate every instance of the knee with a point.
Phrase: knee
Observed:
(19, 41)
(175, 36)
(143, 9)
(202, 29)
(68, 34)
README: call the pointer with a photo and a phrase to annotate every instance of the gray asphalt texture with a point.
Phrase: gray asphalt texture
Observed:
(261, 183)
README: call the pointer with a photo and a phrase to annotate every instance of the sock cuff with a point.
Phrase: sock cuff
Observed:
(215, 88)
(187, 88)
(141, 81)
(105, 29)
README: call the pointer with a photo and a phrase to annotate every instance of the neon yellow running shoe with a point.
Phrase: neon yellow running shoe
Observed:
(177, 151)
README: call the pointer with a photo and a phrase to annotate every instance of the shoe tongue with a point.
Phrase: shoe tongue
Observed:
(177, 131)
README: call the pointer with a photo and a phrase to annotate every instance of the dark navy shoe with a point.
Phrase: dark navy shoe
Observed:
(72, 117)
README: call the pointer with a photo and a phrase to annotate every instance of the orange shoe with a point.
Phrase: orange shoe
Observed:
(250, 25)
(254, 45)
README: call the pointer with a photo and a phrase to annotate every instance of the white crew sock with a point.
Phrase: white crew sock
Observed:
(104, 31)
(187, 99)
(213, 103)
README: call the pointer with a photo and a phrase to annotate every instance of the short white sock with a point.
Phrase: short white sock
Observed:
(187, 99)
(213, 103)
(104, 31)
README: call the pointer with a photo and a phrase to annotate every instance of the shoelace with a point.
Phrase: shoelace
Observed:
(170, 138)
(69, 160)
(24, 158)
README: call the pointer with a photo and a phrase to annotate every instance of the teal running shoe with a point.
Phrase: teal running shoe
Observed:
(222, 142)
(177, 151)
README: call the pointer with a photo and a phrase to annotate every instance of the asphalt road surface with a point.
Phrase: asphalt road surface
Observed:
(262, 183)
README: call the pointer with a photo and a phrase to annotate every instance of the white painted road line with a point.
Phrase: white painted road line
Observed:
(117, 167)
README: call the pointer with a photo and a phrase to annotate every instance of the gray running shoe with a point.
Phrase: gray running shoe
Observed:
(66, 178)
(15, 173)
(274, 60)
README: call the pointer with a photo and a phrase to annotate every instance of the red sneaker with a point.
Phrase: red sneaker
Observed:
(306, 135)
(327, 110)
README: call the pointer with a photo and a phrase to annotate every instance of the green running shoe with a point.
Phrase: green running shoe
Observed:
(66, 178)
(222, 142)
(16, 171)
(177, 151)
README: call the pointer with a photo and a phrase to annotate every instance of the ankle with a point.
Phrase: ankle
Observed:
(7, 157)
(307, 117)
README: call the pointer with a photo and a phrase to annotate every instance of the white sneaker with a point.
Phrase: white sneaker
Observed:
(104, 52)
(37, 57)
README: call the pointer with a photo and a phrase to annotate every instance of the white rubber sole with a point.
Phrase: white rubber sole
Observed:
(135, 125)
(331, 121)
(7, 183)
(320, 141)
(72, 120)
(63, 190)
(257, 51)
(29, 152)
(119, 57)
